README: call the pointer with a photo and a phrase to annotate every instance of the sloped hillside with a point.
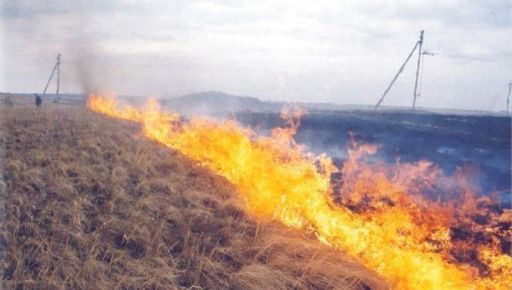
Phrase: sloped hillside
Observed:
(89, 203)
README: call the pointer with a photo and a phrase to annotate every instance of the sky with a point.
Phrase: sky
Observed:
(343, 52)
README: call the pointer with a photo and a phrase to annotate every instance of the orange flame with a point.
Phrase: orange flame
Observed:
(382, 218)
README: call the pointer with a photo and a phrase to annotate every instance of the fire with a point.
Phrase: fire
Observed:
(379, 214)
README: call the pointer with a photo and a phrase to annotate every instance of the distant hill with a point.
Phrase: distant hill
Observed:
(214, 102)
(220, 103)
(28, 98)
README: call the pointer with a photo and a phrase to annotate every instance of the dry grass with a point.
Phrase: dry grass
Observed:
(88, 203)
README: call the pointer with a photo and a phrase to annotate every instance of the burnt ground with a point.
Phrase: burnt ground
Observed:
(88, 203)
(480, 144)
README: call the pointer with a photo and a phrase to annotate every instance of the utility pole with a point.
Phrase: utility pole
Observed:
(400, 70)
(420, 44)
(508, 95)
(57, 97)
(56, 68)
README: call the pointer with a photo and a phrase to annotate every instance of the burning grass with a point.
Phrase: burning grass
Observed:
(89, 203)
(383, 217)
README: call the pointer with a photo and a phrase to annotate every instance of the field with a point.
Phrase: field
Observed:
(121, 197)
(479, 144)
(89, 203)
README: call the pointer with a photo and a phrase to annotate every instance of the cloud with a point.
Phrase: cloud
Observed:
(337, 51)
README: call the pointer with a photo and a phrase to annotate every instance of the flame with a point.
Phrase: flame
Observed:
(381, 216)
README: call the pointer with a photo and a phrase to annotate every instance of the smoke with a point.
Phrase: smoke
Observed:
(91, 74)
(45, 29)
(85, 53)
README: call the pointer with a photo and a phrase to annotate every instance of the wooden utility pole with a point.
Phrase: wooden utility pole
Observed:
(56, 68)
(420, 52)
(400, 70)
(57, 98)
(419, 46)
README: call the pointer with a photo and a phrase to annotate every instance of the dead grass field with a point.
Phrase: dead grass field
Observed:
(88, 203)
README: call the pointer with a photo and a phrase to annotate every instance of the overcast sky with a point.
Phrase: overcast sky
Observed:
(326, 51)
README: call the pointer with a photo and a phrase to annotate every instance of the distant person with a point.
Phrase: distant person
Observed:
(39, 100)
